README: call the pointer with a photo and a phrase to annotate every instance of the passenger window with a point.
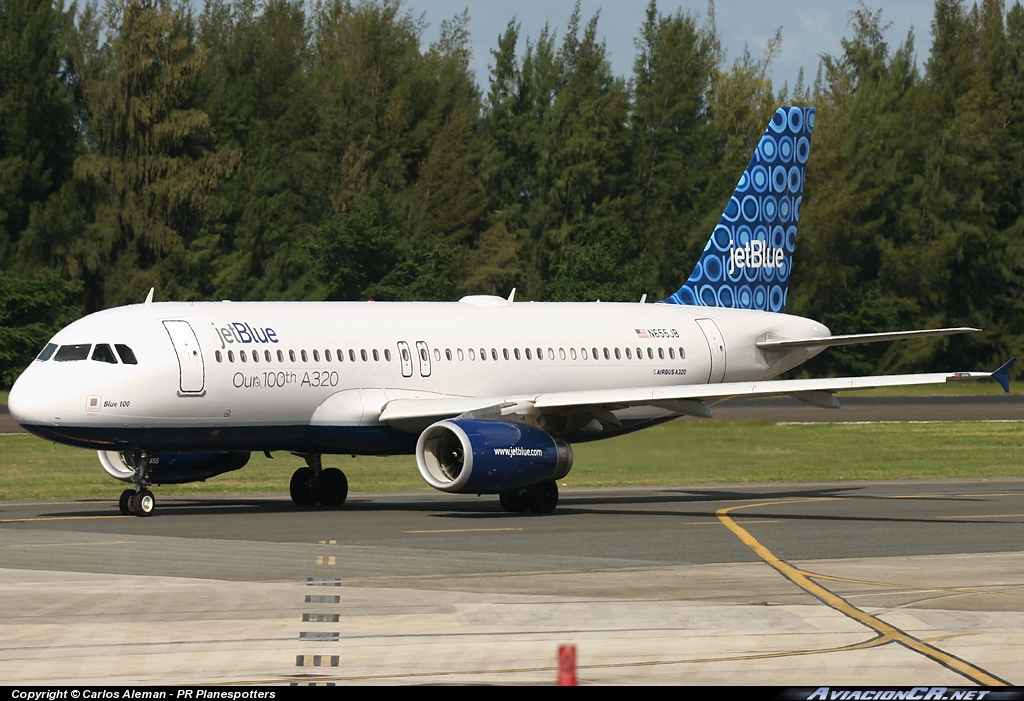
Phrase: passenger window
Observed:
(437, 355)
(304, 356)
(551, 353)
(423, 355)
(494, 353)
(387, 355)
(561, 353)
(241, 356)
(79, 351)
(327, 355)
(672, 353)
(540, 354)
(629, 354)
(483, 354)
(505, 352)
(448, 353)
(515, 352)
(376, 355)
(639, 353)
(618, 356)
(607, 355)
(47, 352)
(218, 356)
(255, 356)
(650, 353)
(266, 356)
(280, 356)
(583, 352)
(362, 354)
(316, 356)
(231, 356)
(341, 355)
(291, 355)
(682, 353)
(461, 356)
(472, 354)
(104, 354)
(661, 353)
(351, 355)
(529, 356)
(572, 353)
(596, 357)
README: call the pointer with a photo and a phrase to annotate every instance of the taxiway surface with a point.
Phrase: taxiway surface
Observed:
(865, 583)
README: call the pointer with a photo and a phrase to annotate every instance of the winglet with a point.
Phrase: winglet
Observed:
(1002, 375)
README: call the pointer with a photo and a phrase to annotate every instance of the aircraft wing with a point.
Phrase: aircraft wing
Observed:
(780, 344)
(684, 399)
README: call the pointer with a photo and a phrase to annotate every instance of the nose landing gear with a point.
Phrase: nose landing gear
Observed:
(314, 484)
(139, 501)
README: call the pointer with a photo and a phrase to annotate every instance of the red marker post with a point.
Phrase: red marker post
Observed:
(566, 665)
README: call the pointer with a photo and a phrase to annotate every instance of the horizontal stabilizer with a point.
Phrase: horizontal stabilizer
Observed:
(1002, 375)
(782, 344)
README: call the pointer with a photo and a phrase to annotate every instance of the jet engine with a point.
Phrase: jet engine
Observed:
(489, 457)
(174, 468)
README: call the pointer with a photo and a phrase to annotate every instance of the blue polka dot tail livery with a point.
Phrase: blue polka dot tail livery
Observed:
(747, 261)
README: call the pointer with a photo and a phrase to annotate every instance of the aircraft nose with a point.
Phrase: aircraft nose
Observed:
(23, 403)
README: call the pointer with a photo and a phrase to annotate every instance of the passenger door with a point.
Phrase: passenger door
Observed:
(191, 369)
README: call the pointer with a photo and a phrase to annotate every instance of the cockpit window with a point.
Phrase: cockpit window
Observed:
(78, 351)
(103, 354)
(127, 356)
(47, 352)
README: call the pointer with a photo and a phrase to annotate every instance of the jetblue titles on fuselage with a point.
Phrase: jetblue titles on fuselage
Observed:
(241, 332)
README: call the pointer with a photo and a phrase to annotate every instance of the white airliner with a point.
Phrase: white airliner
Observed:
(488, 393)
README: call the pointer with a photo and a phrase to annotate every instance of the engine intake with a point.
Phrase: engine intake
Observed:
(489, 457)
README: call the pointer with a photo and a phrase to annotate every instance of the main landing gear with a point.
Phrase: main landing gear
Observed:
(315, 483)
(139, 501)
(540, 499)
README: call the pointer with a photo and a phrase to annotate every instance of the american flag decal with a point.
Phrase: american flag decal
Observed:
(642, 333)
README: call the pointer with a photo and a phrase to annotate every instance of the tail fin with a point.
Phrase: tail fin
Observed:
(747, 260)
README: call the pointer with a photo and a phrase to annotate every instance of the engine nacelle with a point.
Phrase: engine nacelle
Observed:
(174, 468)
(489, 457)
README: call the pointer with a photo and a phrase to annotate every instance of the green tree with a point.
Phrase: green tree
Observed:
(31, 311)
(671, 145)
(254, 88)
(38, 107)
(152, 169)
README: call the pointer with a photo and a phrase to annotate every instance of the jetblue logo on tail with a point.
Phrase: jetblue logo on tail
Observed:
(747, 261)
(756, 255)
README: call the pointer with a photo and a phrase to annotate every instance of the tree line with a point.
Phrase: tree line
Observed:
(276, 149)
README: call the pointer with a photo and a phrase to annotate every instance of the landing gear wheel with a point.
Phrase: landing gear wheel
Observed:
(142, 503)
(542, 498)
(301, 487)
(513, 502)
(124, 503)
(331, 487)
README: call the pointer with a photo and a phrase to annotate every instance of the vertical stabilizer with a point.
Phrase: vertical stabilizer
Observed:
(747, 261)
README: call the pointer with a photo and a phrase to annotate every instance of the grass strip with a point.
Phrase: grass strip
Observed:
(674, 453)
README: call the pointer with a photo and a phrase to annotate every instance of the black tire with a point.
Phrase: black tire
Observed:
(301, 489)
(143, 503)
(331, 487)
(542, 498)
(513, 502)
(125, 502)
